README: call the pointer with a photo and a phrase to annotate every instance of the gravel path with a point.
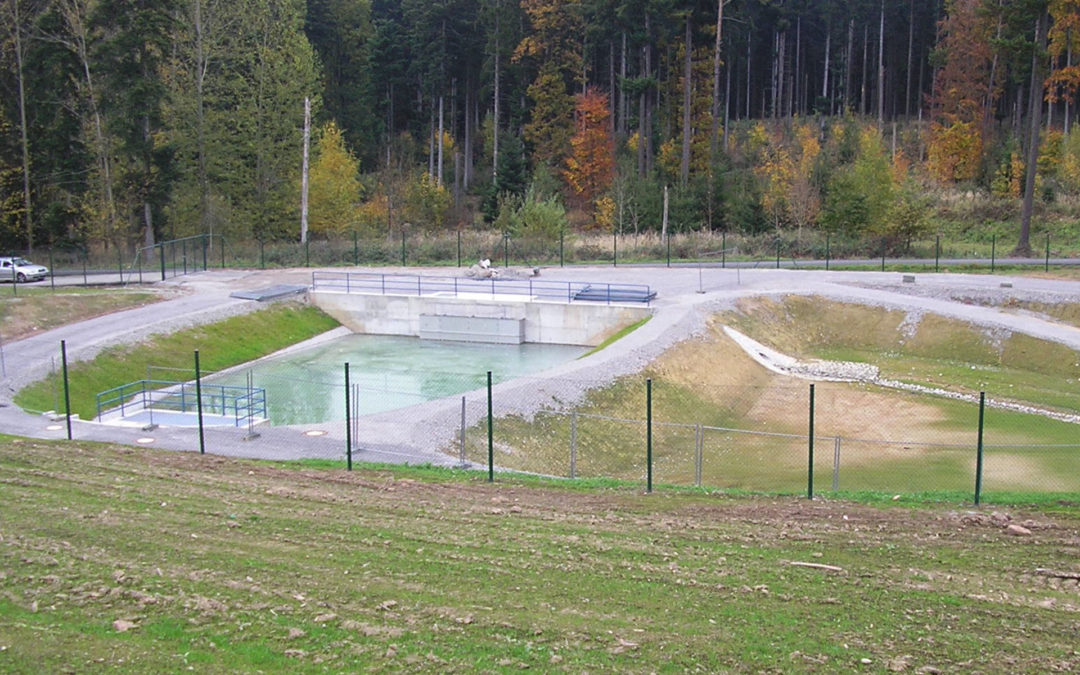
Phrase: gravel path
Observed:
(686, 297)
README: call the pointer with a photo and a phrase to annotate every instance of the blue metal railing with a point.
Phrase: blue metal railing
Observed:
(552, 291)
(241, 403)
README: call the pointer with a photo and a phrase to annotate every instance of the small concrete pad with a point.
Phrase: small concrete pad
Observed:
(269, 293)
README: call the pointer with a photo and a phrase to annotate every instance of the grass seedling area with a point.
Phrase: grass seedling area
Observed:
(227, 343)
(150, 561)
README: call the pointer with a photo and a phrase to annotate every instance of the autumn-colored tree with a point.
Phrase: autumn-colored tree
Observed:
(335, 185)
(554, 44)
(590, 167)
(962, 92)
(1064, 36)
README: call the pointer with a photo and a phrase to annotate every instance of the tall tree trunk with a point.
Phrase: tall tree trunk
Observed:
(439, 165)
(304, 172)
(1023, 246)
(849, 58)
(910, 56)
(495, 114)
(716, 83)
(825, 70)
(623, 103)
(688, 74)
(797, 88)
(862, 87)
(201, 65)
(881, 69)
(23, 135)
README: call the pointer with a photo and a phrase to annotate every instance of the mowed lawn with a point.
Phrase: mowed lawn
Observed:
(150, 561)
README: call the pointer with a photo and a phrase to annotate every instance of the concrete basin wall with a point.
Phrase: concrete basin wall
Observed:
(585, 324)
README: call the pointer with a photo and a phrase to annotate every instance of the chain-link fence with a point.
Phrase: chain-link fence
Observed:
(78, 265)
(673, 429)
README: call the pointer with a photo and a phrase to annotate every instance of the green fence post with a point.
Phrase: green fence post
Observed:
(14, 282)
(562, 235)
(979, 449)
(993, 252)
(307, 253)
(161, 247)
(506, 250)
(778, 253)
(491, 433)
(183, 256)
(198, 403)
(937, 253)
(222, 247)
(67, 389)
(810, 468)
(403, 247)
(614, 248)
(884, 247)
(723, 250)
(120, 262)
(85, 256)
(205, 245)
(826, 251)
(52, 271)
(648, 435)
(348, 421)
(355, 249)
(459, 248)
(262, 254)
(669, 249)
(1047, 268)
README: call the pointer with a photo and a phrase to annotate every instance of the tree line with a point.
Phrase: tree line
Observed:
(125, 122)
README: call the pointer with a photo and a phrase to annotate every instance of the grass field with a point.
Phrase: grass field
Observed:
(144, 561)
(37, 309)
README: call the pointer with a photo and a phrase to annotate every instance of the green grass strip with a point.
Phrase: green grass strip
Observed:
(221, 345)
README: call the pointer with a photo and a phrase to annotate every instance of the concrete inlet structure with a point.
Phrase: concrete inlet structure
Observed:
(467, 315)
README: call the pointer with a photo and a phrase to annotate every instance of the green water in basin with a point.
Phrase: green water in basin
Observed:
(389, 372)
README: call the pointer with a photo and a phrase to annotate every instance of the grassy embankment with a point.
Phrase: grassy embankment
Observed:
(158, 562)
(35, 309)
(890, 440)
(221, 345)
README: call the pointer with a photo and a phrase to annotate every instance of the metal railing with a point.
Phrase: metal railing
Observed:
(493, 288)
(241, 403)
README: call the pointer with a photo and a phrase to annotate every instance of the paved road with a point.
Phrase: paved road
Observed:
(686, 295)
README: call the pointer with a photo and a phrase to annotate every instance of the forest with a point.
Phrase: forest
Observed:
(129, 122)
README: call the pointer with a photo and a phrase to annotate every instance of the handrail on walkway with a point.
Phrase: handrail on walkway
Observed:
(494, 288)
(244, 404)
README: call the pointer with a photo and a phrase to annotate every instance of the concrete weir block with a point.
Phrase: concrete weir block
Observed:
(486, 329)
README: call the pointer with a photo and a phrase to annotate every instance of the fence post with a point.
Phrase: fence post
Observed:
(222, 247)
(205, 245)
(827, 251)
(993, 252)
(161, 247)
(723, 249)
(1047, 267)
(403, 247)
(573, 445)
(648, 435)
(52, 271)
(836, 464)
(883, 249)
(979, 449)
(699, 453)
(506, 250)
(14, 282)
(778, 252)
(355, 249)
(67, 390)
(810, 469)
(937, 253)
(562, 235)
(262, 254)
(120, 262)
(614, 248)
(459, 248)
(491, 434)
(669, 249)
(307, 253)
(198, 404)
(348, 421)
(462, 432)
